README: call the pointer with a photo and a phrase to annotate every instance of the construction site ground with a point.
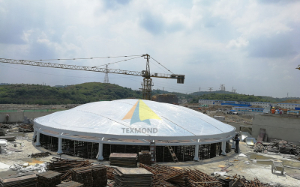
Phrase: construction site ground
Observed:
(240, 164)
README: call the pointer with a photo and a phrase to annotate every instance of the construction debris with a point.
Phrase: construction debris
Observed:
(277, 146)
(37, 155)
(123, 159)
(241, 181)
(24, 168)
(26, 128)
(132, 177)
(5, 126)
(49, 179)
(170, 176)
(24, 180)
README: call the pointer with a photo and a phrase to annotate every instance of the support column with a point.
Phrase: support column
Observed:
(37, 143)
(100, 152)
(59, 151)
(223, 148)
(196, 158)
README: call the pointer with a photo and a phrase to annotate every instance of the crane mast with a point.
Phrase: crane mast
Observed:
(147, 81)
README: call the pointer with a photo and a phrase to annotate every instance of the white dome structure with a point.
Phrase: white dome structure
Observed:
(133, 122)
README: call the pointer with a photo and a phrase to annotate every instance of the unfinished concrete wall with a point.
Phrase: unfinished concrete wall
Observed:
(32, 115)
(278, 127)
(165, 98)
(18, 117)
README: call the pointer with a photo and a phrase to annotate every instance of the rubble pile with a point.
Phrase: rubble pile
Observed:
(5, 126)
(241, 181)
(170, 176)
(26, 128)
(27, 168)
(277, 146)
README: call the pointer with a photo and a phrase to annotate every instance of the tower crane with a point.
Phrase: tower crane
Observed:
(147, 76)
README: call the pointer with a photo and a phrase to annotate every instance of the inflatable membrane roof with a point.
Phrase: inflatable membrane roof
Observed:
(135, 118)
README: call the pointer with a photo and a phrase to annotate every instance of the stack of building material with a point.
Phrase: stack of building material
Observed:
(123, 159)
(145, 157)
(132, 177)
(24, 180)
(49, 179)
(83, 175)
(63, 165)
(70, 184)
(90, 176)
(8, 138)
(99, 174)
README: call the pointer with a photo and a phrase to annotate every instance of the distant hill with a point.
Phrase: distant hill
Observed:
(95, 91)
(73, 94)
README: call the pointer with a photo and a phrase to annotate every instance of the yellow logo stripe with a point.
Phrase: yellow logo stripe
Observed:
(146, 112)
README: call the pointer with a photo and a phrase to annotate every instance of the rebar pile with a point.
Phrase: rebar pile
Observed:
(123, 159)
(27, 180)
(138, 177)
(170, 176)
(63, 165)
(49, 179)
(70, 184)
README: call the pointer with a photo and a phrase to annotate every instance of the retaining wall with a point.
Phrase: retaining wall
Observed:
(278, 127)
(18, 116)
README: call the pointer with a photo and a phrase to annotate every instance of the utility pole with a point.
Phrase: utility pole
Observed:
(106, 80)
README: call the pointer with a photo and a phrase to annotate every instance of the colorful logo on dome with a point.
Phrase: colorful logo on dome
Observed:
(140, 112)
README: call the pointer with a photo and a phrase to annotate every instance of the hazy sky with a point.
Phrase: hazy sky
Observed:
(251, 45)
